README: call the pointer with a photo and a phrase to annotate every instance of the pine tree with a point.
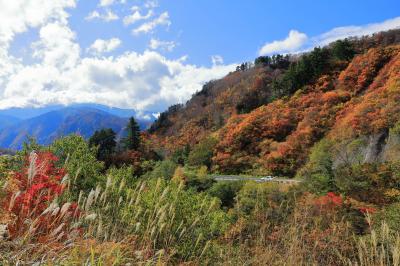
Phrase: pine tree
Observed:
(132, 140)
(105, 142)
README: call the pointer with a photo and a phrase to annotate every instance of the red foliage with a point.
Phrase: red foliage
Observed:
(329, 200)
(363, 69)
(364, 99)
(367, 210)
(39, 184)
(377, 109)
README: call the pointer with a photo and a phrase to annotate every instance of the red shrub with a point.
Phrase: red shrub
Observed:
(39, 185)
(329, 200)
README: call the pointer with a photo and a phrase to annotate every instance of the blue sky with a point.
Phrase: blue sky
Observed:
(148, 54)
(235, 29)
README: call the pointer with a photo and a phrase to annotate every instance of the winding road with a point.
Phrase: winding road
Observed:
(254, 178)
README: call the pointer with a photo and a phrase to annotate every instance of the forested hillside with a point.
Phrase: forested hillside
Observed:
(266, 118)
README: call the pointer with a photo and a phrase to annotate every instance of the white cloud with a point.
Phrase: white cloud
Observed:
(162, 45)
(162, 20)
(107, 15)
(217, 60)
(298, 42)
(348, 31)
(137, 16)
(18, 15)
(145, 81)
(104, 3)
(151, 4)
(100, 46)
(292, 43)
(57, 46)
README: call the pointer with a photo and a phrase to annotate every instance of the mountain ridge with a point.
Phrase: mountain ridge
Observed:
(54, 124)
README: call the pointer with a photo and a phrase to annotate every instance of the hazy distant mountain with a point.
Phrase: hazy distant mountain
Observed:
(30, 112)
(54, 124)
(6, 121)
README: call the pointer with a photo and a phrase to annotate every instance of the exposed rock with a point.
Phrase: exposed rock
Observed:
(376, 146)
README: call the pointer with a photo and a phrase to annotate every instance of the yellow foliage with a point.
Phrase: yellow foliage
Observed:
(179, 175)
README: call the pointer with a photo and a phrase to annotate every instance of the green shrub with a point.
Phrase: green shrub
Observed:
(318, 175)
(79, 160)
(202, 153)
(390, 215)
(226, 191)
(163, 169)
(257, 197)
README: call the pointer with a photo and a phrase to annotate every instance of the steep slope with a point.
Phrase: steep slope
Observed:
(362, 100)
(49, 126)
(322, 94)
(209, 109)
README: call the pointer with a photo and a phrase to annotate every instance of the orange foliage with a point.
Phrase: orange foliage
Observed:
(363, 69)
(278, 136)
(377, 109)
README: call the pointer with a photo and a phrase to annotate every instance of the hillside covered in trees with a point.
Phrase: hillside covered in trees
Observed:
(266, 118)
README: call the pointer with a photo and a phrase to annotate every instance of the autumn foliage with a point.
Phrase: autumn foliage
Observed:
(362, 99)
(32, 200)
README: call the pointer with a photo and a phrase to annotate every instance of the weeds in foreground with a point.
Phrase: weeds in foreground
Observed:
(159, 222)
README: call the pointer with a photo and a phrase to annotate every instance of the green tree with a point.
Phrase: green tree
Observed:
(132, 140)
(318, 174)
(80, 161)
(104, 141)
(29, 145)
(226, 191)
(343, 50)
(300, 73)
(257, 197)
(180, 156)
(164, 169)
(202, 153)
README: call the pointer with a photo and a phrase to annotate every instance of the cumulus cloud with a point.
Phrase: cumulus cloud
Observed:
(292, 43)
(57, 46)
(61, 74)
(106, 15)
(18, 15)
(145, 81)
(162, 20)
(297, 41)
(101, 46)
(162, 45)
(137, 16)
